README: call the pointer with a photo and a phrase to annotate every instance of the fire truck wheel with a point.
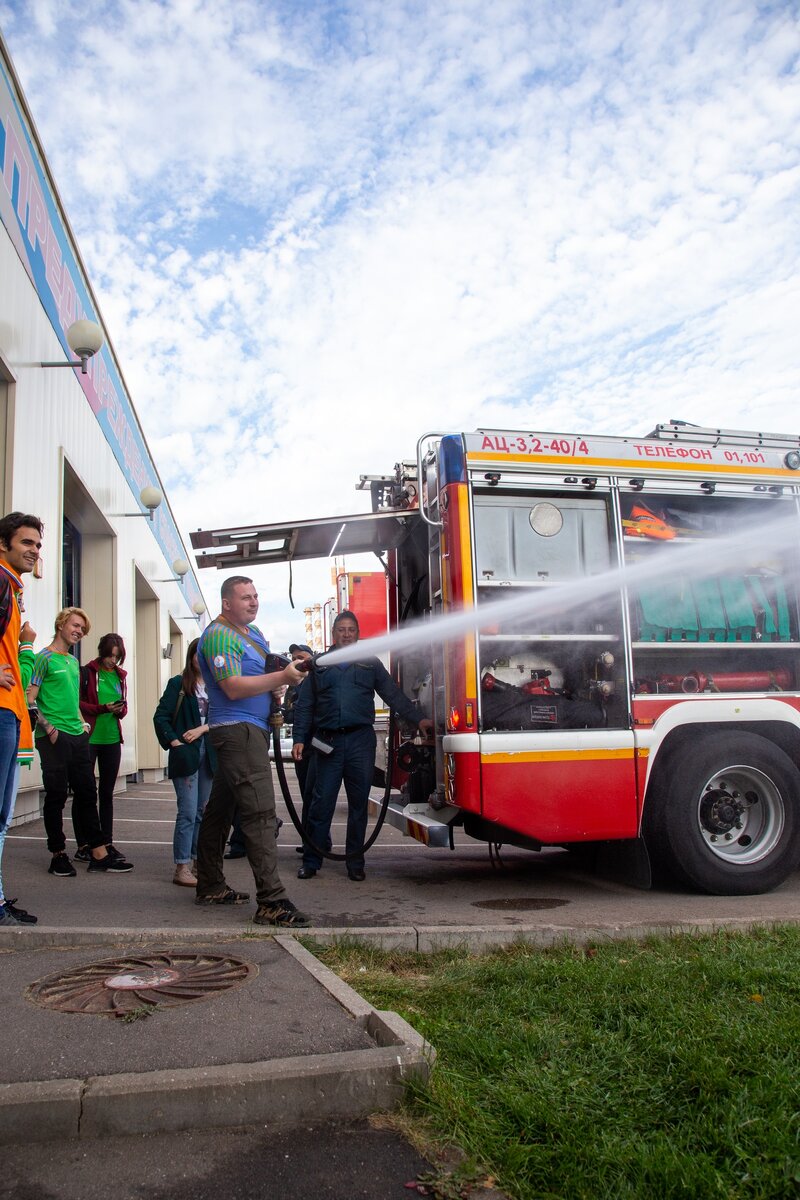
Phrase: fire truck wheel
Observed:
(726, 814)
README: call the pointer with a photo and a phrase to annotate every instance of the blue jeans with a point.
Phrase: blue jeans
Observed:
(192, 792)
(9, 744)
(351, 762)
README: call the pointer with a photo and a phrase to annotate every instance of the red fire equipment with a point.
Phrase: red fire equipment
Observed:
(779, 680)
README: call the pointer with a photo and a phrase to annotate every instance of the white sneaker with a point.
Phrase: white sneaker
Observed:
(183, 876)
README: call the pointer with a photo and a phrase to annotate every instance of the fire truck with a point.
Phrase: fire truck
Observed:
(655, 720)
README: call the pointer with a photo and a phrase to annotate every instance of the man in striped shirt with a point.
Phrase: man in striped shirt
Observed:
(233, 656)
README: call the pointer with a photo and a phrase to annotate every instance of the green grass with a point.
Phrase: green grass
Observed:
(663, 1068)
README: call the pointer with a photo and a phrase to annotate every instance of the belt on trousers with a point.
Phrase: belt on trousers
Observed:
(341, 729)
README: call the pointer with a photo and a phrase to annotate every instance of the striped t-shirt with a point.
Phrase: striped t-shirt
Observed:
(223, 653)
(57, 677)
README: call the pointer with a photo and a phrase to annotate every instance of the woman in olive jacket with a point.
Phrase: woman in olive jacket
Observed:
(181, 727)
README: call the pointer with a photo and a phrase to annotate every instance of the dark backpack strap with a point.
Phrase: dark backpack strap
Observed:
(260, 651)
(6, 602)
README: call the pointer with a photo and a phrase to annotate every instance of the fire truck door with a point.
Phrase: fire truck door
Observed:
(290, 541)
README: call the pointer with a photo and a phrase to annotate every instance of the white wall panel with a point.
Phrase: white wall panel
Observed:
(52, 429)
(54, 436)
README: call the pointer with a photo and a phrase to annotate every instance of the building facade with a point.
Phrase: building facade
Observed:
(72, 451)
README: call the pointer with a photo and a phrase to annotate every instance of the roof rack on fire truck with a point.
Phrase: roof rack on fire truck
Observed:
(685, 431)
(398, 491)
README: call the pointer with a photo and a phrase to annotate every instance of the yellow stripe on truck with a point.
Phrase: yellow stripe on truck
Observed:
(470, 661)
(614, 465)
(534, 756)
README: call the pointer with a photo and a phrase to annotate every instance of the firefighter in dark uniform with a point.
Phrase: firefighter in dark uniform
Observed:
(337, 706)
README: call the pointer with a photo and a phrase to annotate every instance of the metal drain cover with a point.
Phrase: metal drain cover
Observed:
(520, 903)
(116, 986)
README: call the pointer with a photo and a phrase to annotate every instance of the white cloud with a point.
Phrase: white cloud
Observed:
(316, 233)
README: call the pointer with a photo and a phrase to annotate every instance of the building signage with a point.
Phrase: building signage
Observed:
(31, 216)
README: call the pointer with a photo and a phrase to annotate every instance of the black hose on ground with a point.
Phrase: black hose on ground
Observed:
(301, 829)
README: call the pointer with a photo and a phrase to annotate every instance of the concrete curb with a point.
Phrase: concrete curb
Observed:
(425, 938)
(282, 1092)
(433, 937)
(385, 1028)
(38, 937)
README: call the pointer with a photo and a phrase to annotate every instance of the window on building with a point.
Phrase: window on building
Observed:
(71, 569)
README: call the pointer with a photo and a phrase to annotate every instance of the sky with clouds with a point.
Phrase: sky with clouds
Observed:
(317, 230)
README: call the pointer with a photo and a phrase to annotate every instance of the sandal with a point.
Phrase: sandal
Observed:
(282, 913)
(227, 896)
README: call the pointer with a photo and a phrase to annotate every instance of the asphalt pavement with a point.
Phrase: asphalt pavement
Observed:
(413, 896)
(343, 1161)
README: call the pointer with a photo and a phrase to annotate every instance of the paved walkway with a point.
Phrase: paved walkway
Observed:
(413, 896)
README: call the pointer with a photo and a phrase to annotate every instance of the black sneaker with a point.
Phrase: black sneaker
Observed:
(114, 852)
(281, 913)
(226, 896)
(61, 865)
(82, 854)
(7, 919)
(25, 918)
(118, 865)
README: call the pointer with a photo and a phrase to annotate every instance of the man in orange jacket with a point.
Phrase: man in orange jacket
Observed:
(20, 544)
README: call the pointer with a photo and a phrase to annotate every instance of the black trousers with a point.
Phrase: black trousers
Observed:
(66, 764)
(305, 771)
(107, 759)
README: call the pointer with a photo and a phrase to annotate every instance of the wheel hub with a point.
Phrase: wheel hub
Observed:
(721, 810)
(740, 813)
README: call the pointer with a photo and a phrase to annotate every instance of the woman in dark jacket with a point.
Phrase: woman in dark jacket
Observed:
(104, 702)
(181, 728)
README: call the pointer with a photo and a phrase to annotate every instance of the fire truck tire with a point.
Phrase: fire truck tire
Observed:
(725, 814)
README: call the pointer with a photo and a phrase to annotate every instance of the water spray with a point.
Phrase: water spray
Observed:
(698, 561)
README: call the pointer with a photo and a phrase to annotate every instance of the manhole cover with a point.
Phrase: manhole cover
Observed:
(117, 986)
(518, 903)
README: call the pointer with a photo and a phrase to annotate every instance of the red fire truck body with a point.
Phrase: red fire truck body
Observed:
(365, 593)
(619, 701)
